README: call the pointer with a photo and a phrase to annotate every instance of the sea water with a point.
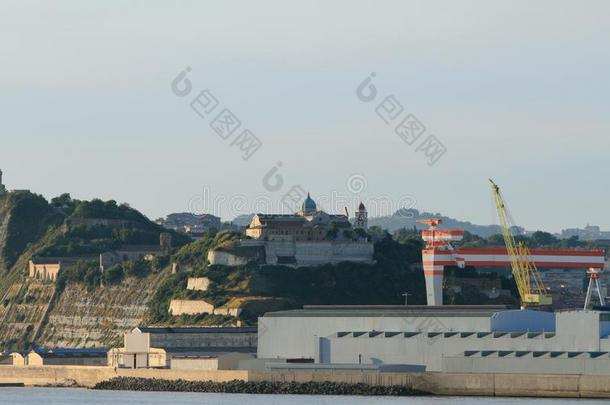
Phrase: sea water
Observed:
(77, 396)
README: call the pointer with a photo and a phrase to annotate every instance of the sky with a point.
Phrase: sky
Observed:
(515, 91)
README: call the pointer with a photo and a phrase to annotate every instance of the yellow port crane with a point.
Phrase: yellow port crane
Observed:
(529, 283)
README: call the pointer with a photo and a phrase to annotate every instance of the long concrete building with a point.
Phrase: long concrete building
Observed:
(294, 334)
(186, 348)
(450, 339)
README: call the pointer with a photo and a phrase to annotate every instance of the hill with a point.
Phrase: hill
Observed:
(74, 233)
(85, 307)
(407, 218)
(397, 270)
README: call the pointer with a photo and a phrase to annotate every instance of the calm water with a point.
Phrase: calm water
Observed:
(72, 396)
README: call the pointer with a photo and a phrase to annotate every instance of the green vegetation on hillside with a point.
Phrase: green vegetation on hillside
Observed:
(193, 256)
(76, 232)
(78, 239)
(28, 218)
(538, 239)
(41, 229)
(53, 229)
(395, 272)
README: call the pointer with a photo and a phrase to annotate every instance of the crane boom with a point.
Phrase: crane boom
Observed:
(529, 283)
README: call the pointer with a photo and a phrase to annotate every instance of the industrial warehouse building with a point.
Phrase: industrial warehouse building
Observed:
(450, 339)
(293, 334)
(219, 359)
(13, 359)
(211, 348)
(68, 357)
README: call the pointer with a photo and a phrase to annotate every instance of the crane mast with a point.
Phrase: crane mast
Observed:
(529, 283)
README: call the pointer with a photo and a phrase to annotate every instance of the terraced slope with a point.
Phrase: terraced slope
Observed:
(99, 318)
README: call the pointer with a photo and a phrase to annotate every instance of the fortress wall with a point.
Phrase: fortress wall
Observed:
(198, 283)
(225, 259)
(320, 252)
(354, 251)
(306, 253)
(190, 307)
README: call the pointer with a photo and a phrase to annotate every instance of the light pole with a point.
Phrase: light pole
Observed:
(406, 295)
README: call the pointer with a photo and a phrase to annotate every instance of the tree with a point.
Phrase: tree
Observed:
(138, 268)
(540, 238)
(495, 240)
(472, 241)
(361, 233)
(348, 234)
(332, 232)
(64, 200)
(377, 233)
(114, 274)
(572, 242)
(158, 263)
(403, 235)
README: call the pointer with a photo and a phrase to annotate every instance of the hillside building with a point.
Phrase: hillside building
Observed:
(44, 269)
(136, 252)
(192, 224)
(589, 232)
(309, 237)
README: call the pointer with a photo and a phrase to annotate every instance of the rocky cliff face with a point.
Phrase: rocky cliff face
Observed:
(4, 221)
(99, 318)
(23, 308)
(24, 218)
(30, 313)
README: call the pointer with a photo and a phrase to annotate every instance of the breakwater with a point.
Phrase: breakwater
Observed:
(251, 387)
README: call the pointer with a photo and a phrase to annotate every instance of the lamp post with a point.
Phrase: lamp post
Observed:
(406, 295)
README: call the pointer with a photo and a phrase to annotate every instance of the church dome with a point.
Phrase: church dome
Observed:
(309, 204)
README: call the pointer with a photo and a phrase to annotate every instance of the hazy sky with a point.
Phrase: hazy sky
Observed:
(515, 90)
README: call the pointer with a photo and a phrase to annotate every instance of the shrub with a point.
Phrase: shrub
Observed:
(114, 274)
(138, 268)
(159, 262)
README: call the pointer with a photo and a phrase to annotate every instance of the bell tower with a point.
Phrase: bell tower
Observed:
(361, 217)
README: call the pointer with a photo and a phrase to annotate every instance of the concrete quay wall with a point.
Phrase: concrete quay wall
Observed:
(471, 384)
(87, 376)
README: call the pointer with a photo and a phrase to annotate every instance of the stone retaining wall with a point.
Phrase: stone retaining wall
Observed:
(198, 283)
(190, 307)
(87, 376)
